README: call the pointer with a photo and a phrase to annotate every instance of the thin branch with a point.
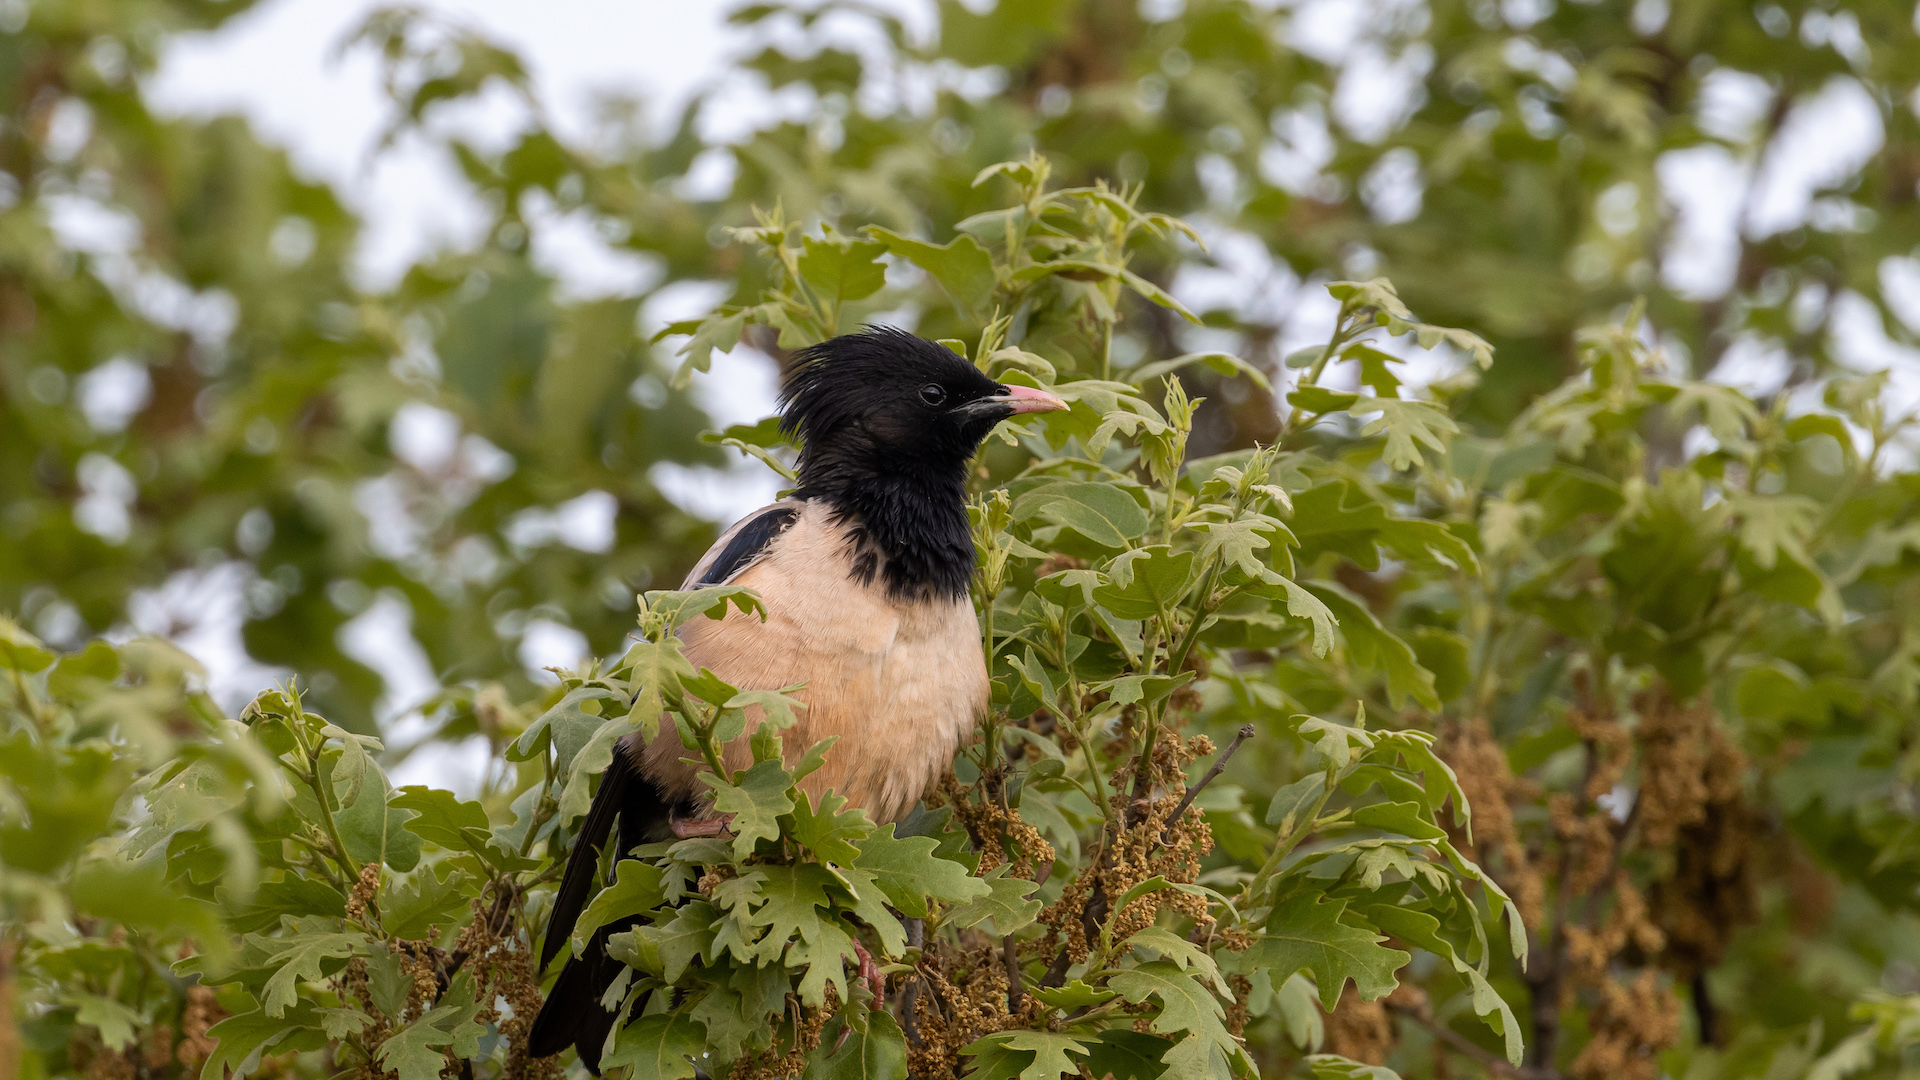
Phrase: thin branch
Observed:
(1219, 763)
(910, 994)
(1016, 992)
(1493, 1062)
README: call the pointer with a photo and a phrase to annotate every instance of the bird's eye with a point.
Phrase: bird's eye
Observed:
(933, 394)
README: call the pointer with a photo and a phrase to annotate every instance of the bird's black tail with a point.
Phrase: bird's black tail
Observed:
(573, 1014)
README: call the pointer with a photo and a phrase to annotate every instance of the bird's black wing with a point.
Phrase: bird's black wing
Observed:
(573, 1014)
(742, 545)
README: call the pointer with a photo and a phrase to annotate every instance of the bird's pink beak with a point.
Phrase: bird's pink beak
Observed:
(1025, 399)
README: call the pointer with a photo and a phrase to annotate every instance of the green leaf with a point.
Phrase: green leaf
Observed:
(138, 896)
(962, 266)
(341, 1023)
(1146, 582)
(1224, 363)
(1439, 784)
(1422, 929)
(1183, 953)
(789, 903)
(1319, 399)
(636, 889)
(909, 872)
(776, 706)
(1374, 647)
(1073, 995)
(1125, 1054)
(859, 892)
(373, 831)
(655, 670)
(1335, 1067)
(1158, 295)
(1203, 1047)
(1399, 817)
(21, 651)
(567, 727)
(1047, 1052)
(720, 330)
(240, 1040)
(825, 956)
(1102, 513)
(1408, 426)
(1237, 543)
(1294, 801)
(1374, 371)
(78, 673)
(113, 1020)
(388, 981)
(419, 1050)
(830, 833)
(1301, 604)
(411, 904)
(878, 1053)
(1005, 903)
(756, 803)
(689, 936)
(658, 1047)
(1304, 933)
(300, 957)
(293, 895)
(444, 819)
(676, 607)
(842, 270)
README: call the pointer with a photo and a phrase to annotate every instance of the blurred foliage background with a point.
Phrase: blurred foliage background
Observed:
(195, 386)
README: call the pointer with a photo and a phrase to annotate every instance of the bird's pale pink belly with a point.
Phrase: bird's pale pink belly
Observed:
(900, 682)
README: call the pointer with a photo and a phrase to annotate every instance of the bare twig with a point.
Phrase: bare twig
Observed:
(1493, 1062)
(910, 995)
(1219, 764)
(1010, 956)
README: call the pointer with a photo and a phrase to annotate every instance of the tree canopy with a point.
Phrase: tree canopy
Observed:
(1477, 565)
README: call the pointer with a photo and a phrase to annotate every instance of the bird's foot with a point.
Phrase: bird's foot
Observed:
(870, 972)
(876, 985)
(688, 828)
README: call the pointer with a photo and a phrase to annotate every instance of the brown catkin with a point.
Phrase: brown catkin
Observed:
(363, 890)
(1631, 1024)
(201, 1013)
(1711, 890)
(1492, 790)
(1359, 1030)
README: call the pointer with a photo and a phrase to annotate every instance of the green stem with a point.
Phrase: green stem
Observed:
(703, 732)
(322, 796)
(542, 809)
(1342, 333)
(1178, 659)
(1284, 846)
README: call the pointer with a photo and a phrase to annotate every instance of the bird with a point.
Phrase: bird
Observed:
(863, 570)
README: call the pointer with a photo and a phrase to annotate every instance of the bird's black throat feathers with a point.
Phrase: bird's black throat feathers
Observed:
(887, 435)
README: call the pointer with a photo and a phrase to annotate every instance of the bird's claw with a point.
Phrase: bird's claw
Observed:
(876, 985)
(870, 973)
(688, 828)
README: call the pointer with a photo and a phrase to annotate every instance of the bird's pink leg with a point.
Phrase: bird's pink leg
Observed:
(876, 984)
(688, 828)
(870, 972)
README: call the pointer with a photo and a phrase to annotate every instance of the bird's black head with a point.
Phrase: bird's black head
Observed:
(894, 401)
(887, 423)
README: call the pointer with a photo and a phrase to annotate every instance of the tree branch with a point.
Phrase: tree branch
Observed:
(1493, 1062)
(1219, 763)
